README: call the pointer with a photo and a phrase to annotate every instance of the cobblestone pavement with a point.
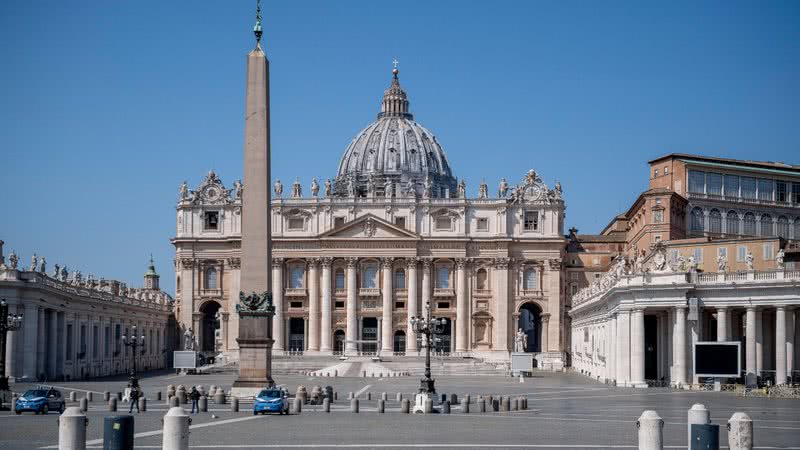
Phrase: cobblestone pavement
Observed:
(565, 411)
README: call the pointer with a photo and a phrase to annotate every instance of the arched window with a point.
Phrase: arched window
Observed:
(443, 277)
(732, 223)
(481, 277)
(783, 227)
(369, 280)
(715, 221)
(696, 220)
(766, 225)
(339, 278)
(211, 278)
(399, 279)
(529, 279)
(296, 276)
(400, 341)
(749, 224)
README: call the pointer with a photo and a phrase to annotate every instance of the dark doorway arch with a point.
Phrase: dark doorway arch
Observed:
(399, 341)
(209, 326)
(338, 341)
(297, 334)
(530, 321)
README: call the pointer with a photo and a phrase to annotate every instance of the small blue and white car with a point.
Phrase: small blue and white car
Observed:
(271, 400)
(40, 401)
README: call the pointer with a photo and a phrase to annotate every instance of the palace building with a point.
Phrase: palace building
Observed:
(392, 232)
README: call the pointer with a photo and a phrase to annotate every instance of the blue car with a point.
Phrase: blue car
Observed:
(40, 401)
(271, 400)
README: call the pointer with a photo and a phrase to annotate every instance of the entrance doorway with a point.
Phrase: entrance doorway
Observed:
(399, 341)
(650, 347)
(369, 332)
(338, 342)
(530, 321)
(297, 341)
(209, 327)
(441, 342)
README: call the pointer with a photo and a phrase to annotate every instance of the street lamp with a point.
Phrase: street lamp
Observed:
(133, 341)
(428, 328)
(8, 322)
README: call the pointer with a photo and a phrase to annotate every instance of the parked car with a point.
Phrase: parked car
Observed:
(40, 400)
(271, 400)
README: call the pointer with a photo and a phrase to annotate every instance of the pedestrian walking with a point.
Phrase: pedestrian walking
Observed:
(194, 395)
(134, 400)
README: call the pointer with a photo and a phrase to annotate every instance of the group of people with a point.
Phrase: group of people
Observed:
(136, 393)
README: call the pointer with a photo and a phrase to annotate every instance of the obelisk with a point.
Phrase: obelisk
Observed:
(255, 309)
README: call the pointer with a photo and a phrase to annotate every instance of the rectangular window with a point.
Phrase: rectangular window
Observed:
(657, 238)
(714, 184)
(339, 304)
(443, 223)
(483, 224)
(722, 252)
(658, 216)
(731, 186)
(765, 188)
(117, 334)
(339, 279)
(767, 252)
(531, 220)
(400, 222)
(698, 255)
(296, 223)
(595, 260)
(573, 276)
(697, 181)
(107, 339)
(399, 305)
(796, 193)
(597, 276)
(573, 289)
(399, 279)
(338, 221)
(748, 186)
(211, 220)
(529, 279)
(443, 278)
(295, 304)
(666, 170)
(741, 253)
(780, 191)
(69, 342)
(673, 257)
(656, 174)
(442, 305)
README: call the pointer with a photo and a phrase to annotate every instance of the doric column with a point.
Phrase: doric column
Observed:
(52, 344)
(426, 286)
(461, 305)
(637, 348)
(11, 347)
(411, 303)
(722, 324)
(277, 300)
(623, 348)
(313, 304)
(41, 343)
(325, 328)
(611, 360)
(679, 346)
(780, 345)
(502, 315)
(790, 335)
(750, 343)
(386, 324)
(759, 341)
(352, 319)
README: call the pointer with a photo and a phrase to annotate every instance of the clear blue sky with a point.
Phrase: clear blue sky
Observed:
(106, 106)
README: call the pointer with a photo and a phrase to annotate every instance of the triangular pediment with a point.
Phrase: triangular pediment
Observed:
(369, 227)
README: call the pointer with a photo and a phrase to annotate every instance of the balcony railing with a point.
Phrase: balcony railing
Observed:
(369, 292)
(742, 200)
(210, 292)
(443, 292)
(295, 292)
(531, 293)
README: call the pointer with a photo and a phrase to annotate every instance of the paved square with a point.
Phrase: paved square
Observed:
(565, 411)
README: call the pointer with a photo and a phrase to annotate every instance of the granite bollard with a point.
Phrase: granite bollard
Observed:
(72, 425)
(354, 405)
(405, 406)
(202, 404)
(326, 405)
(297, 406)
(446, 407)
(84, 404)
(234, 404)
(381, 406)
(698, 415)
(651, 431)
(176, 429)
(740, 432)
(112, 404)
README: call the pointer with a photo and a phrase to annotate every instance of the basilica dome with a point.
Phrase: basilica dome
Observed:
(395, 151)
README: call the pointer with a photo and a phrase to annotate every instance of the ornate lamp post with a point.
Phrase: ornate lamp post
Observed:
(133, 341)
(428, 328)
(8, 322)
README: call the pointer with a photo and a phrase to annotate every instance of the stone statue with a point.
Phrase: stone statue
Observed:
(722, 262)
(557, 191)
(388, 188)
(297, 188)
(483, 190)
(779, 259)
(427, 192)
(56, 271)
(184, 190)
(502, 191)
(42, 265)
(328, 188)
(638, 261)
(370, 185)
(520, 341)
(32, 267)
(64, 273)
(188, 340)
(692, 263)
(13, 260)
(314, 187)
(660, 258)
(749, 260)
(278, 188)
(462, 189)
(410, 189)
(530, 178)
(351, 187)
(683, 265)
(237, 186)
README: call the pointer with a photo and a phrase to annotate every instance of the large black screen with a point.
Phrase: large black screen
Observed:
(716, 359)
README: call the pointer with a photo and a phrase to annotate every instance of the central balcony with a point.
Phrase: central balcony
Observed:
(369, 292)
(295, 292)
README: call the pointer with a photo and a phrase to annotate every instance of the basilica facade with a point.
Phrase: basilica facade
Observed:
(392, 234)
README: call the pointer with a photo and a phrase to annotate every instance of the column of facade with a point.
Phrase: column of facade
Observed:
(637, 348)
(759, 321)
(313, 305)
(623, 348)
(611, 363)
(11, 347)
(411, 303)
(52, 345)
(41, 344)
(462, 320)
(780, 345)
(679, 362)
(325, 328)
(750, 343)
(502, 315)
(277, 301)
(546, 333)
(426, 286)
(722, 324)
(387, 342)
(225, 325)
(554, 291)
(790, 335)
(352, 320)
(660, 344)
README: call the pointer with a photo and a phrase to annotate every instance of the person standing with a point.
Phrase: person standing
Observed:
(194, 395)
(135, 394)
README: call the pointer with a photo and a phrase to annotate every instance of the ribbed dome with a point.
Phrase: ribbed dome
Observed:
(395, 148)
